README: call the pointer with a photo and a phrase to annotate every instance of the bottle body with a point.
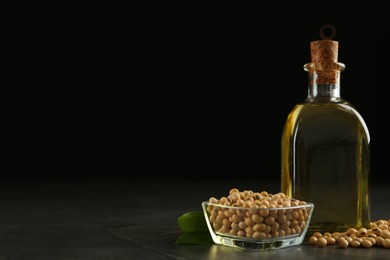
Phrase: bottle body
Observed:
(326, 160)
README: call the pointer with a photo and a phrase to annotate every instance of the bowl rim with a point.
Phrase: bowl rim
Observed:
(307, 205)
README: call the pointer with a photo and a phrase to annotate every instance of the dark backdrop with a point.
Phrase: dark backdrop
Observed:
(188, 90)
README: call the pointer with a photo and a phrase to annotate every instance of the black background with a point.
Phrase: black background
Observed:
(186, 89)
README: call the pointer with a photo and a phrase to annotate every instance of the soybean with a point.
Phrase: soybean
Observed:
(376, 235)
(257, 215)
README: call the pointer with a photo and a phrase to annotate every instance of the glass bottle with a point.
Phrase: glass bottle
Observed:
(325, 148)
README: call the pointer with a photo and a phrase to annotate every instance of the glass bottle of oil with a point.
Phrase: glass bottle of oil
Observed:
(325, 148)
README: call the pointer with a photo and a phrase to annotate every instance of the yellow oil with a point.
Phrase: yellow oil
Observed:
(326, 160)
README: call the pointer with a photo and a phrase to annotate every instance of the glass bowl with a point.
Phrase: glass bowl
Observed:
(257, 228)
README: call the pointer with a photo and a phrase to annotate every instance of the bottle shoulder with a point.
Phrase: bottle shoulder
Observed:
(326, 100)
(339, 105)
(332, 108)
(326, 114)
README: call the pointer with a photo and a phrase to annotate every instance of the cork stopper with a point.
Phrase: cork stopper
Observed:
(325, 50)
(324, 66)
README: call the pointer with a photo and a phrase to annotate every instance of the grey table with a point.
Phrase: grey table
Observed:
(135, 220)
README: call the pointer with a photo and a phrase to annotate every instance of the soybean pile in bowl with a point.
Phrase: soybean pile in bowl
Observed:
(257, 220)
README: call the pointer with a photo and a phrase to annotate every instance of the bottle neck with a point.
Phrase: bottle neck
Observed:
(324, 81)
(324, 85)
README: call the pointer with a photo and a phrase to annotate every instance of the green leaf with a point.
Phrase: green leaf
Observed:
(194, 229)
(193, 221)
(194, 238)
